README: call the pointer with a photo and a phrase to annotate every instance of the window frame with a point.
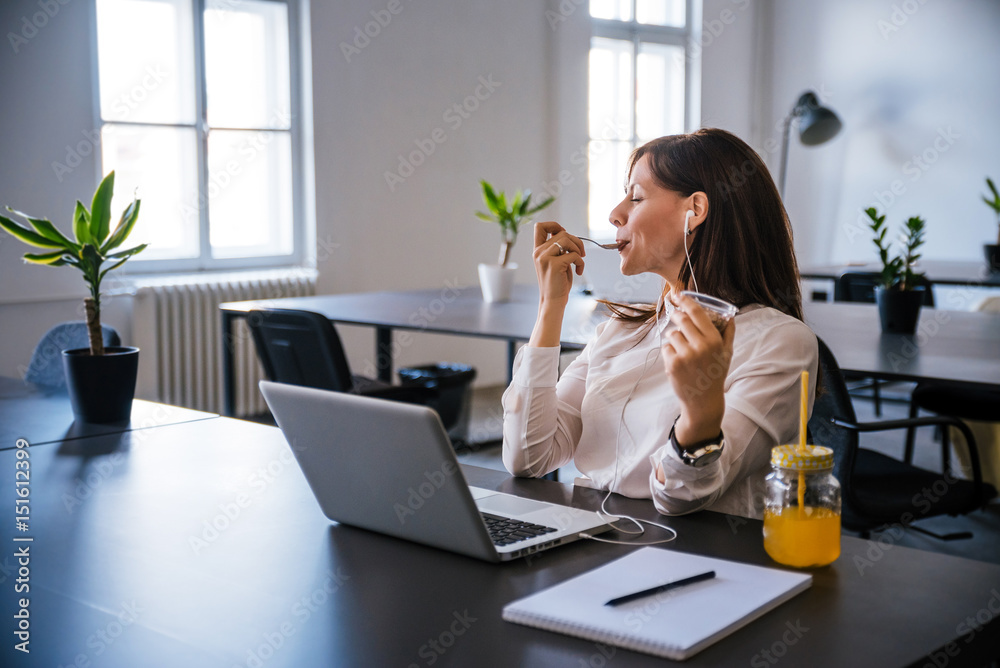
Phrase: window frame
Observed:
(637, 34)
(204, 261)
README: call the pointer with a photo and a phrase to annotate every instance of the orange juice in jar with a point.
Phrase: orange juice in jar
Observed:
(802, 515)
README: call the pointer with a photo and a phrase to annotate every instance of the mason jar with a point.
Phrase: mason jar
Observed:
(802, 511)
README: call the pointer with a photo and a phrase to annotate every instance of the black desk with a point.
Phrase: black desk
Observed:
(942, 272)
(451, 310)
(951, 345)
(201, 545)
(961, 346)
(42, 416)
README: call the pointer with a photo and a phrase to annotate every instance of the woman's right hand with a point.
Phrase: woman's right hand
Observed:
(556, 253)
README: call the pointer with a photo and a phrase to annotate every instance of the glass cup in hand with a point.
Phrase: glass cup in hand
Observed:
(720, 312)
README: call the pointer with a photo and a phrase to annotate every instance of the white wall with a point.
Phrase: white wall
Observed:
(47, 115)
(395, 98)
(912, 81)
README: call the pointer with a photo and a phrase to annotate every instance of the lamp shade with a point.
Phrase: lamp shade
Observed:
(817, 124)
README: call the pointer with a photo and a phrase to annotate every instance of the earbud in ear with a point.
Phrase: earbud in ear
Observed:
(687, 221)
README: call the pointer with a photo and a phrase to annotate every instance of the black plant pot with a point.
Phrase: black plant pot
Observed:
(101, 387)
(899, 310)
(992, 253)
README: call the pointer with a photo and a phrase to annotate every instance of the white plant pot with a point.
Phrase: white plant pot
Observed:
(497, 282)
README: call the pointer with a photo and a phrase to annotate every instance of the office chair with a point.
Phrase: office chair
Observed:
(956, 400)
(46, 366)
(859, 286)
(878, 490)
(303, 348)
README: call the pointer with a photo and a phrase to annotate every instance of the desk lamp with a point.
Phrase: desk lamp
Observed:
(817, 124)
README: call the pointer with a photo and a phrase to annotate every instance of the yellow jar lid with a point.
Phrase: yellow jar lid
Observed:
(811, 458)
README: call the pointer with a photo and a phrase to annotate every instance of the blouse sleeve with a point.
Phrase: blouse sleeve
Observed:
(762, 410)
(541, 411)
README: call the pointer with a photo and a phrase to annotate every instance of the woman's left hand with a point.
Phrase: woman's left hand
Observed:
(696, 357)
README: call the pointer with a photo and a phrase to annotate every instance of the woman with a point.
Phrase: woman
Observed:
(646, 406)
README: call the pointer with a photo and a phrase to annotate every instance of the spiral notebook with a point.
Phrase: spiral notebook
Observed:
(676, 624)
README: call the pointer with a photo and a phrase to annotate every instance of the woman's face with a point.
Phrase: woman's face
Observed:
(650, 220)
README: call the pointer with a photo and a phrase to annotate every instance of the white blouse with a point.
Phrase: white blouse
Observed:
(613, 408)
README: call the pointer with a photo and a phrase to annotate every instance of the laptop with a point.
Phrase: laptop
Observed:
(389, 467)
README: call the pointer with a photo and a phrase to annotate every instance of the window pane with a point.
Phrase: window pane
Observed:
(610, 106)
(660, 12)
(159, 166)
(606, 174)
(146, 60)
(620, 10)
(250, 193)
(660, 94)
(247, 64)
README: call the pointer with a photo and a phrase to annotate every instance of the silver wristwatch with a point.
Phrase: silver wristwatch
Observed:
(700, 454)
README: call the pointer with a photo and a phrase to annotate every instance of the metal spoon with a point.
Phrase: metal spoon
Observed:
(611, 246)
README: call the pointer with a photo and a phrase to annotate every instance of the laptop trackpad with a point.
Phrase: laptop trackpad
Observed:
(506, 504)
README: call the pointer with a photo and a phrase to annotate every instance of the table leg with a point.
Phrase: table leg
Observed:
(228, 380)
(383, 353)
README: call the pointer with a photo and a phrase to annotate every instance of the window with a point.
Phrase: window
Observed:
(642, 78)
(198, 118)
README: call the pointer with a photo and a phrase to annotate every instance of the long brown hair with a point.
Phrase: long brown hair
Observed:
(743, 250)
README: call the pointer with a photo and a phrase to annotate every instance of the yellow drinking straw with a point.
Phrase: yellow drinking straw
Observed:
(802, 441)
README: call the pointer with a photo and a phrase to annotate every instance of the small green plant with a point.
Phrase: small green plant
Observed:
(994, 203)
(88, 251)
(510, 215)
(897, 272)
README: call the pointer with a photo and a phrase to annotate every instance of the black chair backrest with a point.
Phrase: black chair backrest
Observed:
(834, 401)
(46, 365)
(300, 348)
(859, 286)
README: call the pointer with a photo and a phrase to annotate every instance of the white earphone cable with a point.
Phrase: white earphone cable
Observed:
(687, 254)
(603, 512)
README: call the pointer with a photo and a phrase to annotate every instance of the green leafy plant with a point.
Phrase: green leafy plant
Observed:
(897, 272)
(89, 250)
(510, 215)
(994, 203)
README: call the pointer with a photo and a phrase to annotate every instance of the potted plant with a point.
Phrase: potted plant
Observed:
(993, 250)
(497, 280)
(101, 381)
(900, 290)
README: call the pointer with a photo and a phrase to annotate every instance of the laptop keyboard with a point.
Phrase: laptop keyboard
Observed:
(505, 531)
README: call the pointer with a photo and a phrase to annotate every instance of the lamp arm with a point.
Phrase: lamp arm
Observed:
(784, 152)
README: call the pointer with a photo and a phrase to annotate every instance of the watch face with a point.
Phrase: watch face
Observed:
(703, 456)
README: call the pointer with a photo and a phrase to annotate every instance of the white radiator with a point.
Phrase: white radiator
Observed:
(178, 327)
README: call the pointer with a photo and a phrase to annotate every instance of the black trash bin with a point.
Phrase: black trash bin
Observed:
(453, 385)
